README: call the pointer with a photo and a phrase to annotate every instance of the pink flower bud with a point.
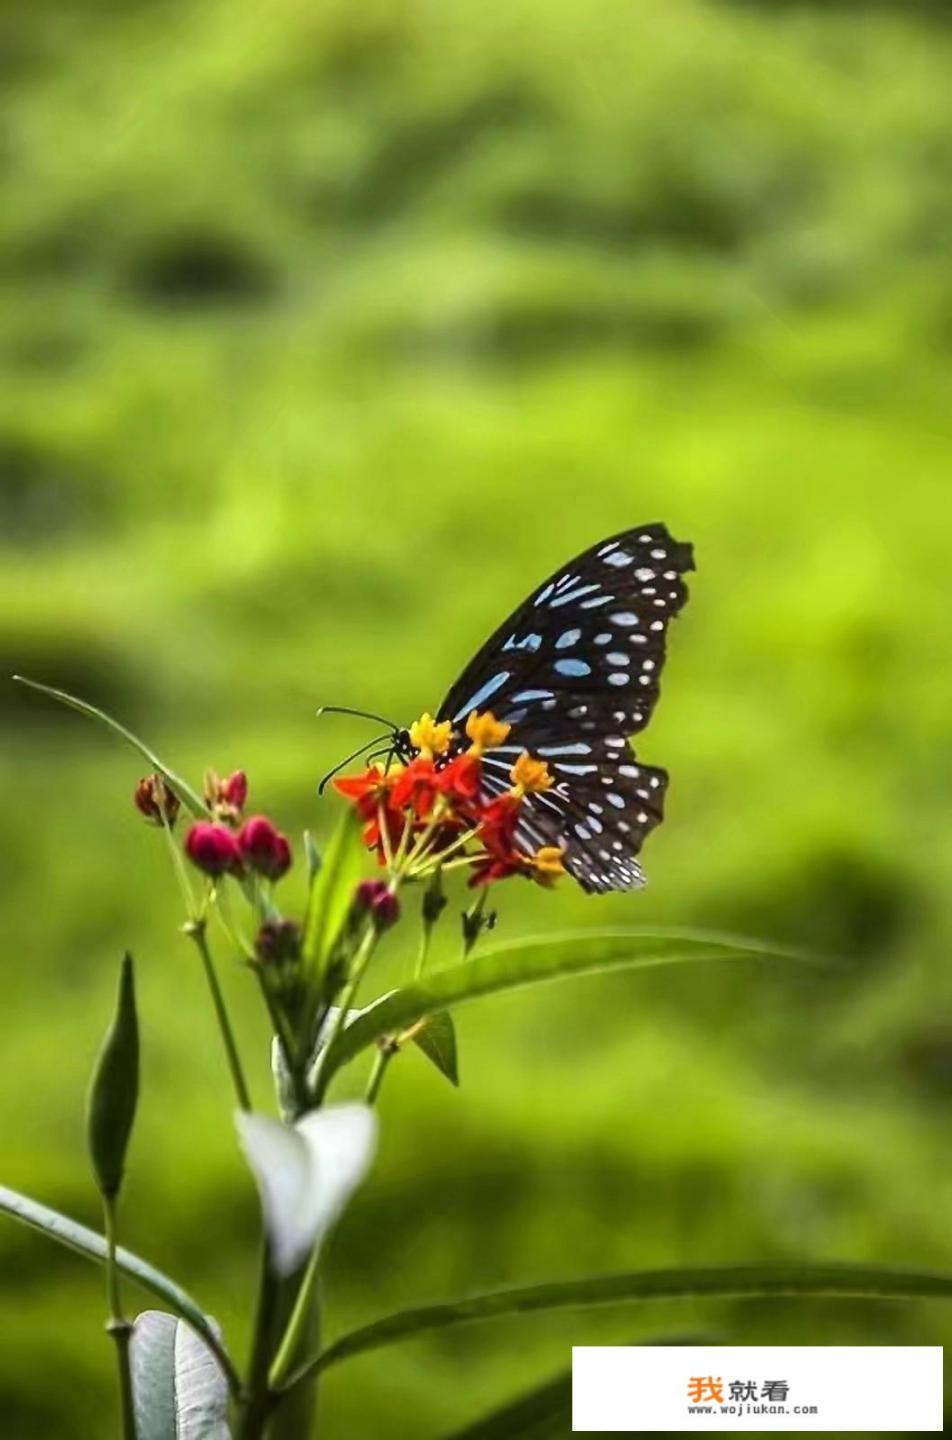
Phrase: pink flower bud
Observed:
(212, 848)
(264, 848)
(154, 798)
(234, 790)
(377, 897)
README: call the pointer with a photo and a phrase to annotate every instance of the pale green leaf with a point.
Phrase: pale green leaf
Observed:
(437, 1040)
(725, 1282)
(87, 1242)
(183, 790)
(179, 1391)
(332, 890)
(532, 961)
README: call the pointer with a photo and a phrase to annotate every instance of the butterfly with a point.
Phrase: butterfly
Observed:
(575, 670)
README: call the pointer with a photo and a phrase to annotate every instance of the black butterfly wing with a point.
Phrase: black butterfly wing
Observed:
(575, 670)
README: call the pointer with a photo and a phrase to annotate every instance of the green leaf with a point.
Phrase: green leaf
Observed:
(726, 1282)
(87, 1242)
(114, 1090)
(342, 868)
(179, 1391)
(530, 961)
(183, 790)
(437, 1040)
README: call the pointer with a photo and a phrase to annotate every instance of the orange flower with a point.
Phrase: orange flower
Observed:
(417, 787)
(460, 780)
(369, 790)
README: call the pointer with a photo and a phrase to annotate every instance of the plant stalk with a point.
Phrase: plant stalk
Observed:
(117, 1325)
(197, 930)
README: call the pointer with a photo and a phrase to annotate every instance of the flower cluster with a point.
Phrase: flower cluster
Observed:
(434, 811)
(228, 844)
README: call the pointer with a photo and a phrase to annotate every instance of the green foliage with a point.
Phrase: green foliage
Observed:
(86, 1242)
(741, 1280)
(536, 960)
(114, 1090)
(327, 331)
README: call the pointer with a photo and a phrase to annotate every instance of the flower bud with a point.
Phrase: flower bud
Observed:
(278, 941)
(155, 799)
(377, 897)
(264, 848)
(234, 790)
(213, 848)
(226, 798)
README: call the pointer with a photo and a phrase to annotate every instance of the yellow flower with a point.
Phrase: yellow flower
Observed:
(530, 776)
(485, 731)
(547, 864)
(429, 737)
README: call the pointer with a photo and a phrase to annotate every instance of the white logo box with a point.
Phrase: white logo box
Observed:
(730, 1388)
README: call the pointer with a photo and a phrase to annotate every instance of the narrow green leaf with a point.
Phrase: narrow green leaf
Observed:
(183, 790)
(531, 961)
(437, 1040)
(872, 1282)
(114, 1090)
(178, 1388)
(342, 867)
(87, 1242)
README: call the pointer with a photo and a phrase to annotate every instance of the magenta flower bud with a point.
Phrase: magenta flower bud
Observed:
(234, 790)
(154, 798)
(212, 848)
(377, 897)
(264, 848)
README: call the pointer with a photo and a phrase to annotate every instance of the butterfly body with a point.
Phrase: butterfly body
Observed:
(575, 671)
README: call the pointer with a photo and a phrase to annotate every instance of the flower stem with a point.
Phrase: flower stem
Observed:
(297, 1326)
(254, 1411)
(361, 960)
(385, 1054)
(197, 930)
(117, 1325)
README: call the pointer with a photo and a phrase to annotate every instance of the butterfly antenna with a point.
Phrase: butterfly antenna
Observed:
(360, 714)
(353, 756)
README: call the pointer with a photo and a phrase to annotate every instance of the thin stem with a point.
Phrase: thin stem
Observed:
(385, 1054)
(361, 961)
(297, 1326)
(117, 1325)
(197, 930)
(258, 1400)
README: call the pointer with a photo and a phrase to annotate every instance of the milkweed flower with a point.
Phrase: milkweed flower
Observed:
(377, 897)
(213, 849)
(226, 798)
(436, 811)
(263, 848)
(156, 799)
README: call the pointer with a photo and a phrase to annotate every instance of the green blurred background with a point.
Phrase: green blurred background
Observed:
(327, 330)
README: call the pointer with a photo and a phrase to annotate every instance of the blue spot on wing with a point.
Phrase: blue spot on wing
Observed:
(574, 668)
(482, 694)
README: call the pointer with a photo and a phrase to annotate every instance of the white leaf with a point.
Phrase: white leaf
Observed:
(178, 1388)
(306, 1173)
